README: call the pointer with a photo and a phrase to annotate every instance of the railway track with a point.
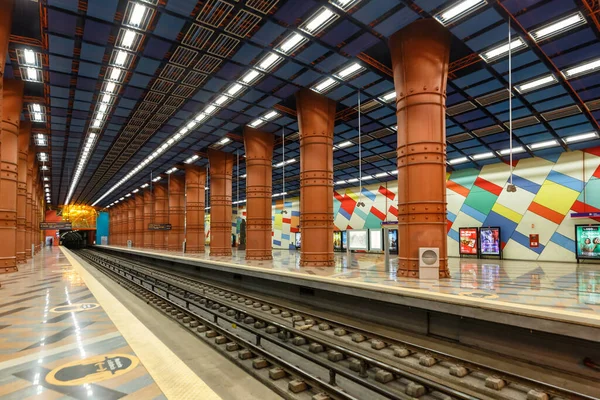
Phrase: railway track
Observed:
(327, 359)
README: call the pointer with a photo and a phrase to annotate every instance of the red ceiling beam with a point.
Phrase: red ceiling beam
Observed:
(375, 64)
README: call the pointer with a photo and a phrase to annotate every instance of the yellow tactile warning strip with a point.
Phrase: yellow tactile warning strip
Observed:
(173, 376)
(542, 312)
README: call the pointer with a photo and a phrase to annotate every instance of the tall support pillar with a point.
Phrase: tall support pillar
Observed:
(221, 168)
(23, 143)
(28, 202)
(130, 221)
(161, 214)
(316, 116)
(111, 214)
(176, 212)
(118, 210)
(33, 215)
(148, 218)
(420, 54)
(12, 104)
(259, 188)
(195, 179)
(138, 210)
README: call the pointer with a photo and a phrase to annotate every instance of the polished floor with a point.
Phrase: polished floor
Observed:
(567, 288)
(57, 342)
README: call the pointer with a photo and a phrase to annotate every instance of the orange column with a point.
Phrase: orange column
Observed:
(12, 105)
(161, 214)
(221, 167)
(34, 178)
(28, 201)
(138, 240)
(420, 54)
(259, 191)
(118, 208)
(148, 218)
(195, 179)
(176, 212)
(23, 143)
(316, 116)
(130, 221)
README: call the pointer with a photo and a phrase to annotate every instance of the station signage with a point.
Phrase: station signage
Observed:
(56, 226)
(159, 227)
(586, 215)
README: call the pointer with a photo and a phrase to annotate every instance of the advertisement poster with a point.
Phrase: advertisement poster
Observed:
(297, 241)
(489, 241)
(468, 241)
(375, 238)
(337, 241)
(344, 240)
(393, 240)
(587, 241)
(358, 239)
(534, 240)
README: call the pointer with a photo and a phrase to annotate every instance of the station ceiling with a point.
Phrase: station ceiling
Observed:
(121, 91)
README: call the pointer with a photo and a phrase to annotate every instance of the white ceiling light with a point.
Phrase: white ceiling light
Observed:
(343, 144)
(558, 27)
(250, 76)
(31, 74)
(388, 97)
(536, 84)
(192, 159)
(137, 15)
(339, 182)
(234, 89)
(115, 74)
(543, 145)
(325, 85)
(291, 42)
(225, 140)
(270, 115)
(515, 150)
(483, 156)
(256, 123)
(352, 180)
(582, 69)
(381, 175)
(459, 10)
(318, 21)
(350, 71)
(502, 50)
(269, 61)
(459, 160)
(581, 137)
(121, 58)
(170, 171)
(29, 57)
(344, 4)
(158, 178)
(128, 38)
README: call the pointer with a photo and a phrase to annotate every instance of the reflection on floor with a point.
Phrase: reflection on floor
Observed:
(57, 342)
(560, 286)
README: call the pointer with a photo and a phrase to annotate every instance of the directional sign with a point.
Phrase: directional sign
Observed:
(55, 226)
(586, 215)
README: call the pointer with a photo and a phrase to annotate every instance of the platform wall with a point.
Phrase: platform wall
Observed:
(548, 190)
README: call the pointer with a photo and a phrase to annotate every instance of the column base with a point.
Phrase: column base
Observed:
(8, 270)
(220, 253)
(21, 259)
(411, 273)
(259, 255)
(198, 251)
(316, 262)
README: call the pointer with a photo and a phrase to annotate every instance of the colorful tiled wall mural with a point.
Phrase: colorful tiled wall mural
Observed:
(549, 189)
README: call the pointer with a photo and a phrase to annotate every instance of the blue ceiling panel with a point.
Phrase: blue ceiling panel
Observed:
(246, 53)
(89, 70)
(564, 122)
(472, 78)
(374, 9)
(520, 113)
(182, 7)
(543, 94)
(96, 32)
(363, 42)
(147, 66)
(546, 12)
(488, 87)
(490, 37)
(518, 60)
(307, 78)
(156, 48)
(60, 45)
(396, 21)
(340, 33)
(473, 25)
(554, 103)
(84, 96)
(61, 23)
(102, 9)
(87, 84)
(332, 62)
(566, 42)
(269, 84)
(60, 64)
(56, 91)
(311, 53)
(168, 26)
(577, 56)
(267, 33)
(215, 84)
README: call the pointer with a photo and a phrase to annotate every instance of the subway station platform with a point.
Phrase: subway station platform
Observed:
(65, 336)
(558, 298)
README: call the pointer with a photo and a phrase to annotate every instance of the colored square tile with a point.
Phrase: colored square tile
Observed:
(556, 197)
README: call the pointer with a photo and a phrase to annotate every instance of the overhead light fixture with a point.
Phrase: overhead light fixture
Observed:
(144, 186)
(37, 117)
(29, 56)
(270, 115)
(46, 179)
(224, 141)
(250, 76)
(325, 85)
(128, 195)
(458, 10)
(483, 156)
(536, 84)
(210, 109)
(388, 97)
(158, 178)
(256, 123)
(31, 74)
(582, 69)
(243, 176)
(581, 137)
(115, 74)
(352, 180)
(44, 168)
(319, 21)
(286, 162)
(350, 71)
(234, 89)
(343, 144)
(344, 4)
(291, 43)
(121, 58)
(543, 145)
(170, 171)
(341, 182)
(502, 50)
(459, 160)
(221, 100)
(515, 150)
(269, 61)
(558, 27)
(128, 38)
(137, 15)
(192, 159)
(36, 108)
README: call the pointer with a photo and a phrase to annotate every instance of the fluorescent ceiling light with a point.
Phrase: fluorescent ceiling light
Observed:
(128, 38)
(535, 84)
(503, 49)
(192, 159)
(558, 27)
(543, 145)
(46, 179)
(339, 182)
(234, 89)
(44, 168)
(386, 98)
(110, 87)
(350, 70)
(145, 185)
(121, 58)
(270, 115)
(36, 108)
(115, 74)
(31, 74)
(250, 76)
(344, 144)
(269, 61)
(352, 180)
(37, 117)
(106, 98)
(222, 100)
(257, 122)
(225, 140)
(158, 178)
(581, 137)
(210, 109)
(515, 150)
(29, 57)
(381, 175)
(171, 170)
(291, 42)
(324, 85)
(585, 68)
(191, 125)
(243, 176)
(459, 10)
(135, 19)
(344, 4)
(102, 107)
(128, 195)
(458, 160)
(319, 21)
(483, 156)
(200, 117)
